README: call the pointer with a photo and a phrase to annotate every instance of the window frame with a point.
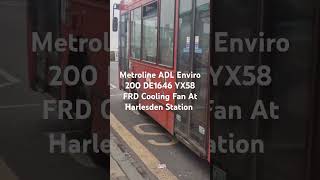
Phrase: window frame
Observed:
(131, 31)
(158, 15)
(142, 21)
(174, 35)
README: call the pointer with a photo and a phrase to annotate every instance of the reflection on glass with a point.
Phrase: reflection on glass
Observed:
(183, 63)
(166, 32)
(149, 37)
(200, 65)
(136, 33)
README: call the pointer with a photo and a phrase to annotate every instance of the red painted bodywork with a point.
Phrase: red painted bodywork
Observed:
(164, 118)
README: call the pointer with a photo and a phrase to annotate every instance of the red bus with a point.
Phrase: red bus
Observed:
(158, 36)
(62, 18)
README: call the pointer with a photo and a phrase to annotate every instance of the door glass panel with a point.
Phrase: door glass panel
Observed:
(183, 63)
(123, 44)
(199, 115)
(193, 56)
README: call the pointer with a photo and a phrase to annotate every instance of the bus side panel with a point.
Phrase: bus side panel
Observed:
(164, 118)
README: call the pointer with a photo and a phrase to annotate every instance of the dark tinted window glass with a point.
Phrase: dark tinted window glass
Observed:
(167, 32)
(150, 10)
(200, 65)
(136, 33)
(183, 63)
(150, 33)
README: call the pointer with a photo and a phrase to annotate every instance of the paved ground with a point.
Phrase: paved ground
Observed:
(116, 171)
(155, 152)
(24, 145)
(123, 165)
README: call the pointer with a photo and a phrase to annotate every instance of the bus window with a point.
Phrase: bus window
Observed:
(183, 63)
(150, 32)
(136, 33)
(200, 65)
(123, 45)
(166, 32)
(194, 30)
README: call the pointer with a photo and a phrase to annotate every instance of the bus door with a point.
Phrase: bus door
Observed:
(192, 127)
(123, 47)
(45, 20)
